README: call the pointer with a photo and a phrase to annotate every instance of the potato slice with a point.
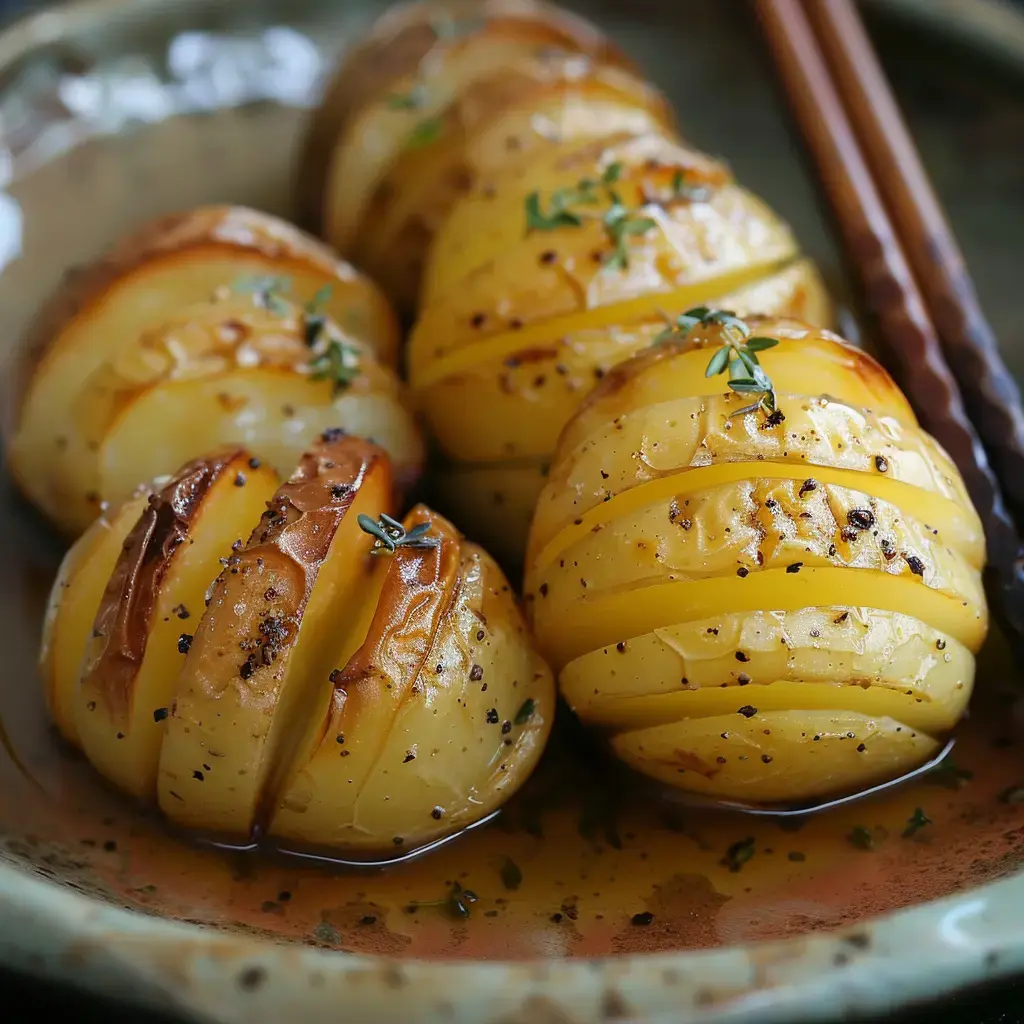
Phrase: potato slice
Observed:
(552, 97)
(439, 715)
(461, 51)
(234, 370)
(405, 41)
(144, 280)
(74, 601)
(747, 535)
(687, 670)
(776, 756)
(265, 646)
(712, 242)
(678, 447)
(155, 592)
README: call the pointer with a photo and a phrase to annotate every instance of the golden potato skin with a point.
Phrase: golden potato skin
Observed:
(441, 713)
(437, 96)
(753, 608)
(309, 683)
(144, 281)
(236, 367)
(258, 665)
(131, 660)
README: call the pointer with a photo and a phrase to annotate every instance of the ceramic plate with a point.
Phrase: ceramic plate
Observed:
(592, 905)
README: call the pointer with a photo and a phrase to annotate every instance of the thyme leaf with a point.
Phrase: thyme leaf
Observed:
(391, 535)
(525, 712)
(861, 837)
(739, 853)
(338, 362)
(738, 355)
(511, 875)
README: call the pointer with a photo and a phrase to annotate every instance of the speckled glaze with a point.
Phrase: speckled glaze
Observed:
(814, 927)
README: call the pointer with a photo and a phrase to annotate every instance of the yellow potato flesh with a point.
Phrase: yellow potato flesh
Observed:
(375, 137)
(587, 624)
(294, 588)
(701, 250)
(433, 737)
(500, 122)
(491, 221)
(72, 607)
(122, 738)
(140, 300)
(776, 756)
(514, 404)
(689, 669)
(957, 526)
(222, 372)
(273, 412)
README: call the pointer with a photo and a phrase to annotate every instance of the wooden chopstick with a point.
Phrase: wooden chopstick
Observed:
(897, 302)
(989, 391)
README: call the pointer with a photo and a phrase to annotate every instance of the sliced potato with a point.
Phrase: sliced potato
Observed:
(549, 98)
(265, 646)
(440, 714)
(758, 604)
(232, 370)
(155, 592)
(700, 668)
(145, 280)
(74, 601)
(708, 242)
(776, 756)
(443, 52)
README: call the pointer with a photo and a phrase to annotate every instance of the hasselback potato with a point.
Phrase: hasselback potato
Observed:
(439, 95)
(511, 147)
(216, 326)
(284, 659)
(753, 569)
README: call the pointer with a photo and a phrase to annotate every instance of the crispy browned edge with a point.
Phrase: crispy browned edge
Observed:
(395, 44)
(126, 608)
(236, 228)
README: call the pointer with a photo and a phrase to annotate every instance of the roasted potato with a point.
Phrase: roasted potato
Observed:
(528, 304)
(244, 367)
(102, 310)
(765, 602)
(336, 679)
(440, 95)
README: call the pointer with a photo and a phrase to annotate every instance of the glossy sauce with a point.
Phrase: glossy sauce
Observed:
(586, 861)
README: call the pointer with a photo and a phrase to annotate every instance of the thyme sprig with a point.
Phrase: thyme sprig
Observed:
(737, 355)
(391, 535)
(620, 223)
(267, 290)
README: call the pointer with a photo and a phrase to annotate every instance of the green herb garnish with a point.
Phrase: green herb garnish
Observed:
(738, 356)
(411, 100)
(563, 211)
(425, 133)
(916, 822)
(338, 362)
(391, 535)
(682, 191)
(525, 712)
(739, 853)
(314, 320)
(862, 838)
(266, 289)
(511, 876)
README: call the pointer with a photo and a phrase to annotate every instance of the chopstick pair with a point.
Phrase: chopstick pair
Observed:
(911, 268)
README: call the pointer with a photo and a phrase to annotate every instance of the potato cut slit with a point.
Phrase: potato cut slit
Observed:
(156, 594)
(426, 369)
(585, 625)
(957, 526)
